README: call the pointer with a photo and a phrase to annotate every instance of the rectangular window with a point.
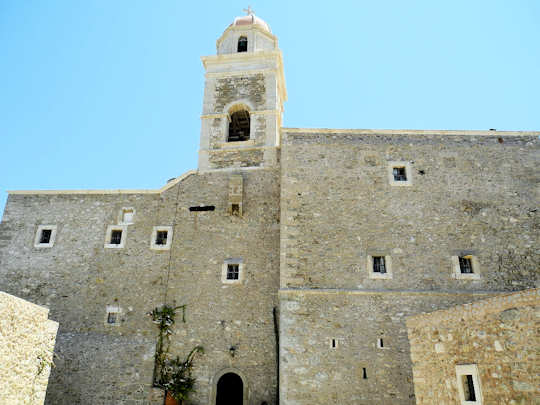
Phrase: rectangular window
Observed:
(233, 270)
(161, 237)
(45, 236)
(379, 265)
(116, 237)
(399, 174)
(468, 384)
(468, 387)
(465, 265)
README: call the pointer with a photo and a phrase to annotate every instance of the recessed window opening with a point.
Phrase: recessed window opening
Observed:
(333, 343)
(116, 237)
(45, 236)
(242, 44)
(468, 387)
(399, 174)
(203, 208)
(235, 209)
(239, 126)
(465, 264)
(112, 317)
(364, 373)
(161, 237)
(380, 343)
(379, 265)
(233, 270)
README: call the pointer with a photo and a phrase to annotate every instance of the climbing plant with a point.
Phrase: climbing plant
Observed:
(172, 374)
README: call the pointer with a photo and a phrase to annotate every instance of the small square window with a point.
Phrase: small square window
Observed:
(45, 236)
(466, 267)
(399, 173)
(379, 266)
(161, 238)
(233, 271)
(465, 264)
(115, 237)
(112, 317)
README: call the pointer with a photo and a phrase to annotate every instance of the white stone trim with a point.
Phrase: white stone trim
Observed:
(110, 228)
(468, 369)
(241, 271)
(115, 309)
(387, 263)
(121, 214)
(457, 274)
(37, 238)
(167, 245)
(408, 173)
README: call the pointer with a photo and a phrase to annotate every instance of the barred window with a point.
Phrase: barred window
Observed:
(379, 265)
(116, 237)
(161, 237)
(399, 174)
(233, 270)
(465, 265)
(45, 236)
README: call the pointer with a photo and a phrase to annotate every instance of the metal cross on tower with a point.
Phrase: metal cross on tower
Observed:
(249, 10)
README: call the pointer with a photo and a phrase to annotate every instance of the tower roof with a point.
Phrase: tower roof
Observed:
(251, 19)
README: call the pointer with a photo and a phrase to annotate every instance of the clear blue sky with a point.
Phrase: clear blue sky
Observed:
(107, 94)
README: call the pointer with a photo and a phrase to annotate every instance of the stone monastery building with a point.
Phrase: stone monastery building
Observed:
(297, 252)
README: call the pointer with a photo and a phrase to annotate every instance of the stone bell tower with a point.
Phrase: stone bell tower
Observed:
(243, 98)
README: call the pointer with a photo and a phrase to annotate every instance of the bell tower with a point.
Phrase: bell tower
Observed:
(243, 100)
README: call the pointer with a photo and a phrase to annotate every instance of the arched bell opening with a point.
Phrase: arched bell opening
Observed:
(239, 126)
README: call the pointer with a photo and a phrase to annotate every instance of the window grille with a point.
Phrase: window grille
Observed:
(399, 174)
(233, 271)
(465, 265)
(45, 236)
(379, 265)
(161, 237)
(116, 237)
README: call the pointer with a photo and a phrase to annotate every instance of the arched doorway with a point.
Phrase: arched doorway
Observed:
(230, 390)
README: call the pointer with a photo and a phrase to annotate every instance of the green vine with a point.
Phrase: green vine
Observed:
(172, 374)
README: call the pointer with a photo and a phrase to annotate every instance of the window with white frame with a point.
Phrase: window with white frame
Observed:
(466, 267)
(468, 384)
(161, 238)
(45, 236)
(112, 315)
(232, 271)
(399, 173)
(115, 236)
(379, 266)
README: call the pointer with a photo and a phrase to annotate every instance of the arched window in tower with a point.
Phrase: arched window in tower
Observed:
(239, 126)
(242, 44)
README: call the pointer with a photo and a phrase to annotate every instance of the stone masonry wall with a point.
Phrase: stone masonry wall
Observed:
(498, 335)
(470, 194)
(78, 278)
(26, 351)
(474, 194)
